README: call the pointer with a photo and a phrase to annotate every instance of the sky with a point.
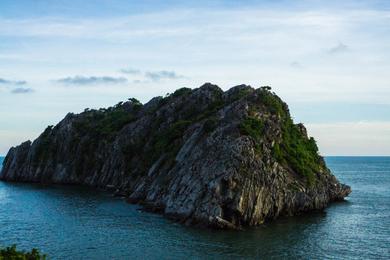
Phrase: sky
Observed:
(329, 60)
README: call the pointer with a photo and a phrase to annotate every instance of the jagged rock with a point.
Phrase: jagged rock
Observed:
(204, 157)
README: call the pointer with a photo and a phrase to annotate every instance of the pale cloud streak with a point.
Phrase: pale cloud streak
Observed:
(339, 48)
(22, 90)
(15, 86)
(130, 71)
(162, 75)
(92, 80)
(12, 82)
(152, 76)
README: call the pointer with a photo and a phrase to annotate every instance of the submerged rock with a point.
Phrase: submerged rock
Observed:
(204, 157)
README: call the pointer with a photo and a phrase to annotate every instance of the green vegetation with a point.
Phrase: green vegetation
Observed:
(12, 253)
(240, 94)
(294, 150)
(168, 140)
(43, 148)
(113, 121)
(212, 108)
(135, 101)
(254, 128)
(165, 141)
(106, 122)
(180, 92)
(193, 114)
(272, 102)
(91, 127)
(298, 152)
(94, 126)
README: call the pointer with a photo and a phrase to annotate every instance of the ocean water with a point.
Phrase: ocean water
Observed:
(80, 223)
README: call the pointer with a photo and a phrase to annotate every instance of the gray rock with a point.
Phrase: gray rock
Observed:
(189, 156)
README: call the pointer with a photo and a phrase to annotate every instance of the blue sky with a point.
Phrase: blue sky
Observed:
(329, 61)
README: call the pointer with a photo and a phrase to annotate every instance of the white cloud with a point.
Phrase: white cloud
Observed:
(92, 80)
(22, 90)
(12, 82)
(296, 65)
(339, 48)
(130, 71)
(162, 74)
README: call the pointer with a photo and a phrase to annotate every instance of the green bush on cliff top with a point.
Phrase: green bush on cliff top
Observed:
(272, 102)
(294, 150)
(108, 121)
(298, 152)
(12, 253)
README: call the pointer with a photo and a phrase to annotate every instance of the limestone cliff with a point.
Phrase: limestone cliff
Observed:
(203, 157)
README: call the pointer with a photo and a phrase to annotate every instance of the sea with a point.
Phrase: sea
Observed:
(68, 222)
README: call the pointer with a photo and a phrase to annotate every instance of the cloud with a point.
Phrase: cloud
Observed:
(12, 82)
(296, 65)
(14, 86)
(92, 80)
(130, 71)
(152, 76)
(340, 48)
(161, 75)
(22, 90)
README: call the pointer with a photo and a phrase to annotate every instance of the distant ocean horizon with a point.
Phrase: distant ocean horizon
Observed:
(49, 217)
(325, 156)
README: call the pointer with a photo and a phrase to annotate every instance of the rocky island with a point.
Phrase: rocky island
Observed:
(202, 157)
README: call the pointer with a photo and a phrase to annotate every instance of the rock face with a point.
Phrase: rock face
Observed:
(203, 157)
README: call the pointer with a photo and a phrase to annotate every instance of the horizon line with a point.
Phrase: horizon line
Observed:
(325, 155)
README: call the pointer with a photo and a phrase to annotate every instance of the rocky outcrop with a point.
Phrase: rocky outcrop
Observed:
(203, 157)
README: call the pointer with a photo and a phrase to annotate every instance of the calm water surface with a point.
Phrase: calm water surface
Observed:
(79, 223)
